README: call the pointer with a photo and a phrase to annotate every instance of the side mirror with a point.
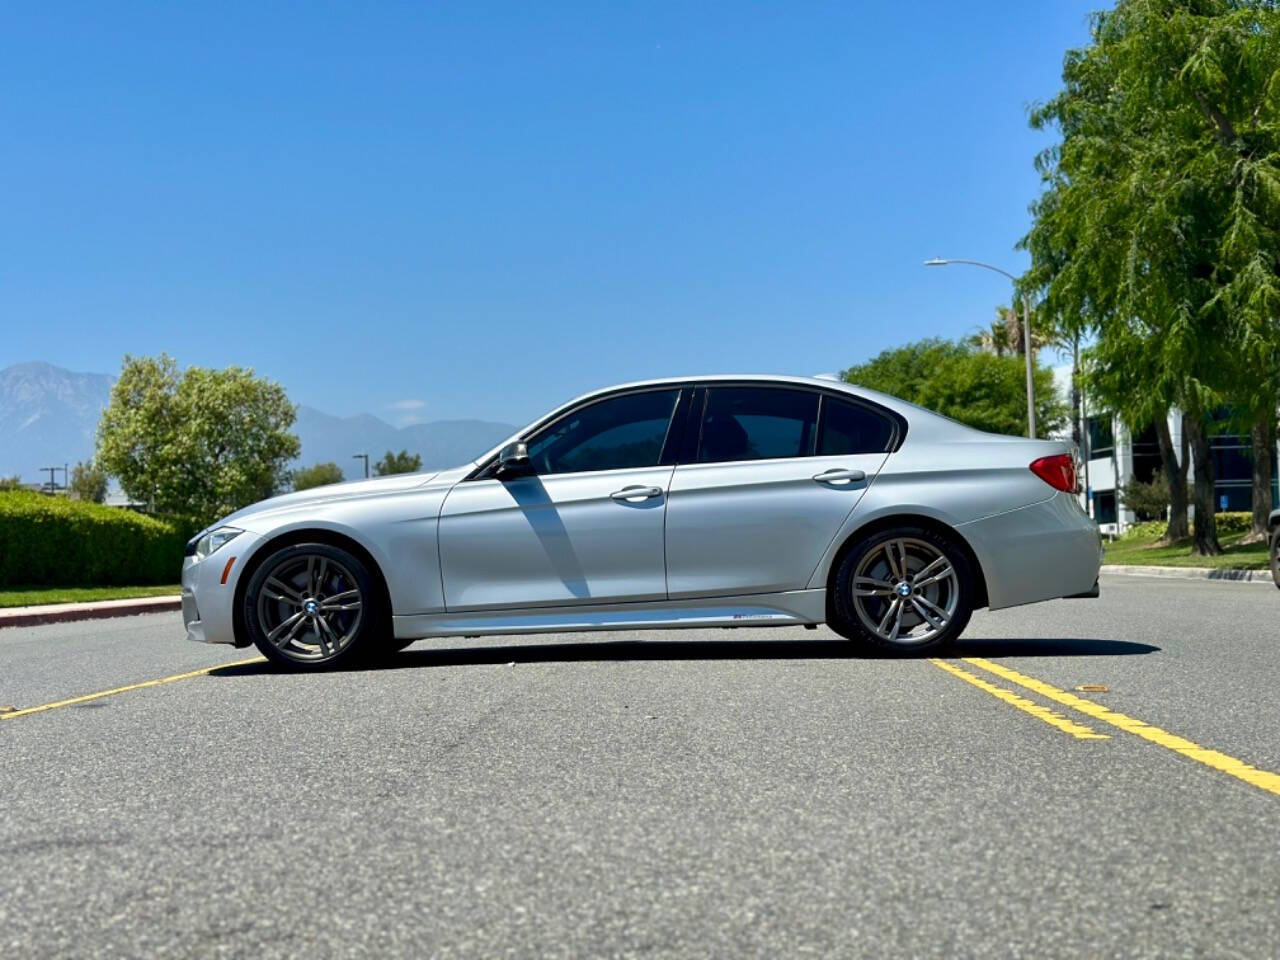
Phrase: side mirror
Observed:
(513, 461)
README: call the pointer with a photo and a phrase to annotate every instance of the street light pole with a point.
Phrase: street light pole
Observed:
(1026, 333)
(365, 458)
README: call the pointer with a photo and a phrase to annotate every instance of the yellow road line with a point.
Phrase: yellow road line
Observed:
(133, 686)
(1263, 779)
(1077, 730)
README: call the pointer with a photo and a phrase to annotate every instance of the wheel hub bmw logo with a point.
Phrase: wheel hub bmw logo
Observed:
(311, 607)
(904, 589)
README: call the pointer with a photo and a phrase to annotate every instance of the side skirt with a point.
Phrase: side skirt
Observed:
(790, 608)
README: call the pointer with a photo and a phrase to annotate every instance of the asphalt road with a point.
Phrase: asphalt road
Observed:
(708, 793)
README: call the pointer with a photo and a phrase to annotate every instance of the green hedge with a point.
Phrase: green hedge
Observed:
(52, 541)
(1236, 521)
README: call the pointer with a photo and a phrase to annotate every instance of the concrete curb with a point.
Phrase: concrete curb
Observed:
(1191, 573)
(65, 612)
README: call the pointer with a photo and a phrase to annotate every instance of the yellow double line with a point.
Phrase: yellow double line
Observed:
(203, 671)
(1262, 779)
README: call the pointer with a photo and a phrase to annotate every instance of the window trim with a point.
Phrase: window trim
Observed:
(683, 450)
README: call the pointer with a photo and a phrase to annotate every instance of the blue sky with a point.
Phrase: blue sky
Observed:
(443, 210)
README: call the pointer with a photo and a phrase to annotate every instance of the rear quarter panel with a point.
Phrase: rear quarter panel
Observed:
(956, 481)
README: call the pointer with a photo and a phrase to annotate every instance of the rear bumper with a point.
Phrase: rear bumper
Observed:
(1044, 551)
(1087, 595)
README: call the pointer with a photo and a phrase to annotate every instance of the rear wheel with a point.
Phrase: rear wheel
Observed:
(312, 605)
(907, 589)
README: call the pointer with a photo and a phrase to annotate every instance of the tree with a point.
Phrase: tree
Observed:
(1160, 221)
(402, 462)
(1148, 499)
(199, 443)
(89, 482)
(1005, 336)
(11, 483)
(318, 475)
(999, 338)
(979, 389)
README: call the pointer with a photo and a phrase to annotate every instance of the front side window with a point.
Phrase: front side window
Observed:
(757, 423)
(617, 433)
(850, 428)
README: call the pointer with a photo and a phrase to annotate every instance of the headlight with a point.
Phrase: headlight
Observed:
(210, 542)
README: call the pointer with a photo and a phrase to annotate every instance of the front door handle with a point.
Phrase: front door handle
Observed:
(636, 492)
(840, 477)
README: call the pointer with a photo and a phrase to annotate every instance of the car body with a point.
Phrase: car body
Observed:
(738, 510)
(1273, 541)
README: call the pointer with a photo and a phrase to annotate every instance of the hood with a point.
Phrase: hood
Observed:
(349, 490)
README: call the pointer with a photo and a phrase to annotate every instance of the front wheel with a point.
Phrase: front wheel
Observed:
(907, 589)
(312, 605)
(1275, 557)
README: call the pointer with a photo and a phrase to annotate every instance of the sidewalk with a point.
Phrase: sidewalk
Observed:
(97, 610)
(1190, 573)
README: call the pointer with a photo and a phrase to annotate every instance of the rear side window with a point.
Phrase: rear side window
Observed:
(750, 423)
(849, 428)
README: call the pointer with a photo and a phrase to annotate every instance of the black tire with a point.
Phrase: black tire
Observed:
(953, 595)
(277, 616)
(1275, 557)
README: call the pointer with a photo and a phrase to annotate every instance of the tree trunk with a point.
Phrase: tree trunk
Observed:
(1206, 525)
(1263, 443)
(1175, 475)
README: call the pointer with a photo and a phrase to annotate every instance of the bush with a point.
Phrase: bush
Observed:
(1150, 500)
(320, 475)
(52, 541)
(1147, 530)
(1236, 521)
(1233, 522)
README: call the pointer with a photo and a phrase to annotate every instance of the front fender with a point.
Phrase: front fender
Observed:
(399, 532)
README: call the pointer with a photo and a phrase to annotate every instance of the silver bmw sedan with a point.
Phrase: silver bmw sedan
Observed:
(694, 502)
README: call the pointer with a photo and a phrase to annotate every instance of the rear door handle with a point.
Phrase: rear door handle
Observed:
(636, 492)
(840, 477)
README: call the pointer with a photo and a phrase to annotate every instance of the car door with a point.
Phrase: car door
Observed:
(585, 528)
(763, 489)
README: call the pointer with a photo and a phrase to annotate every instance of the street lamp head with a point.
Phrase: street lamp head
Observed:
(936, 262)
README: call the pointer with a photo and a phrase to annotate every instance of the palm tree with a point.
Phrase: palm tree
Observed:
(1004, 336)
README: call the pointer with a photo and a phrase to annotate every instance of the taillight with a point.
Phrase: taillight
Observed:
(1058, 471)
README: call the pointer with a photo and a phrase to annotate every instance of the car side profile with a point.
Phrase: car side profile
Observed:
(721, 501)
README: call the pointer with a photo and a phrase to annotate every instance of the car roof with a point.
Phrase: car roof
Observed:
(824, 383)
(916, 416)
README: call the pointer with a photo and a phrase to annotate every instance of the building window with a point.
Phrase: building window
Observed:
(1101, 438)
(1146, 455)
(1104, 506)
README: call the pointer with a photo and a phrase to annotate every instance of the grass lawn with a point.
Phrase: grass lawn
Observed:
(32, 596)
(1138, 549)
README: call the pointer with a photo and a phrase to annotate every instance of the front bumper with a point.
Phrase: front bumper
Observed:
(209, 589)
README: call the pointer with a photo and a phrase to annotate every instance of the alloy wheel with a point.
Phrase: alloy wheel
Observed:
(310, 607)
(905, 591)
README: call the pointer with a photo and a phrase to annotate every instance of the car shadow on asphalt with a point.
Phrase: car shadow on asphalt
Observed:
(653, 650)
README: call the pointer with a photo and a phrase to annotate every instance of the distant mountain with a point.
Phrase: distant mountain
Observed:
(48, 416)
(440, 443)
